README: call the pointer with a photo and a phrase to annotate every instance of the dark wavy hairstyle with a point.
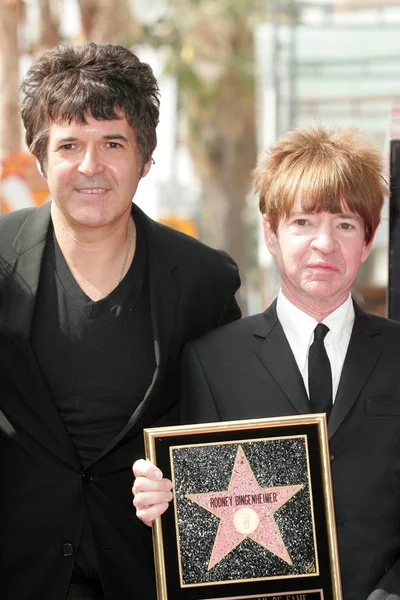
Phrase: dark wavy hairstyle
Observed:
(68, 83)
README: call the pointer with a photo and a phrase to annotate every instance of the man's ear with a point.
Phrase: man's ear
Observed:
(39, 168)
(146, 167)
(269, 235)
(367, 248)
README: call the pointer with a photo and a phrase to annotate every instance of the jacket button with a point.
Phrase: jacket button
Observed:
(87, 476)
(67, 549)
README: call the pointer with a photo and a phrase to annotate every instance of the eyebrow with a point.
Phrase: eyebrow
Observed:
(115, 136)
(348, 216)
(64, 140)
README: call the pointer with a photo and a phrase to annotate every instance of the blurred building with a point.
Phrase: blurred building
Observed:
(333, 61)
(336, 63)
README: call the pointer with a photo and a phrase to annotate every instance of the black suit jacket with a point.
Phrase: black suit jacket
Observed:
(43, 493)
(247, 370)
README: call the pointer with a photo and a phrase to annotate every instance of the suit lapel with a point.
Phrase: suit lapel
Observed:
(42, 421)
(275, 354)
(162, 304)
(361, 358)
(24, 271)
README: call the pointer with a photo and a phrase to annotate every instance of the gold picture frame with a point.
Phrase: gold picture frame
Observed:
(252, 516)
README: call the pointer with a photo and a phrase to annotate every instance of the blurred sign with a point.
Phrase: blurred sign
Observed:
(21, 185)
(187, 226)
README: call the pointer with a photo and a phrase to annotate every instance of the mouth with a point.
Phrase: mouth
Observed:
(91, 190)
(323, 267)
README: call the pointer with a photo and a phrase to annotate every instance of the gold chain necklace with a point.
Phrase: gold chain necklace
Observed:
(128, 249)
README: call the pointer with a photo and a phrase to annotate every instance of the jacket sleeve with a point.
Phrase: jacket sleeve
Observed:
(197, 401)
(231, 311)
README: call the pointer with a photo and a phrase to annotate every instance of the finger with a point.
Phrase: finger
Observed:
(144, 500)
(145, 468)
(143, 484)
(150, 514)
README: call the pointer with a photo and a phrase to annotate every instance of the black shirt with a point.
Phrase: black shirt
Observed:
(96, 357)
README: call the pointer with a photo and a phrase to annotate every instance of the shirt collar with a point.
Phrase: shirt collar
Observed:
(299, 326)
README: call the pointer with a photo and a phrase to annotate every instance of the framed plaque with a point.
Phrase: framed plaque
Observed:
(252, 515)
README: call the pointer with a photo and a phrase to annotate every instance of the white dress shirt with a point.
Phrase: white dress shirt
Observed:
(299, 330)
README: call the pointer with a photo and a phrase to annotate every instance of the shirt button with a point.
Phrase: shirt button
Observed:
(332, 457)
(67, 549)
(87, 476)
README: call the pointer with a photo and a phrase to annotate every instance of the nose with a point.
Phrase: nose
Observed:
(325, 240)
(90, 163)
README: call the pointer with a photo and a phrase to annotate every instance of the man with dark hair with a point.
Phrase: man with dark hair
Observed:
(314, 349)
(96, 302)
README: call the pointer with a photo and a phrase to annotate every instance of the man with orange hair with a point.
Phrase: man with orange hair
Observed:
(321, 194)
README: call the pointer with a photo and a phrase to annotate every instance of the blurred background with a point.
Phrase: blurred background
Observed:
(234, 75)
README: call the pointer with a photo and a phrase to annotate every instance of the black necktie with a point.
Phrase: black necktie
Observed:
(319, 373)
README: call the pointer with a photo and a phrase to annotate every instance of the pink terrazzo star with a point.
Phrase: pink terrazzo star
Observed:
(246, 510)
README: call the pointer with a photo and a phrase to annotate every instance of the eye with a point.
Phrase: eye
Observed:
(301, 222)
(346, 226)
(113, 145)
(66, 147)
